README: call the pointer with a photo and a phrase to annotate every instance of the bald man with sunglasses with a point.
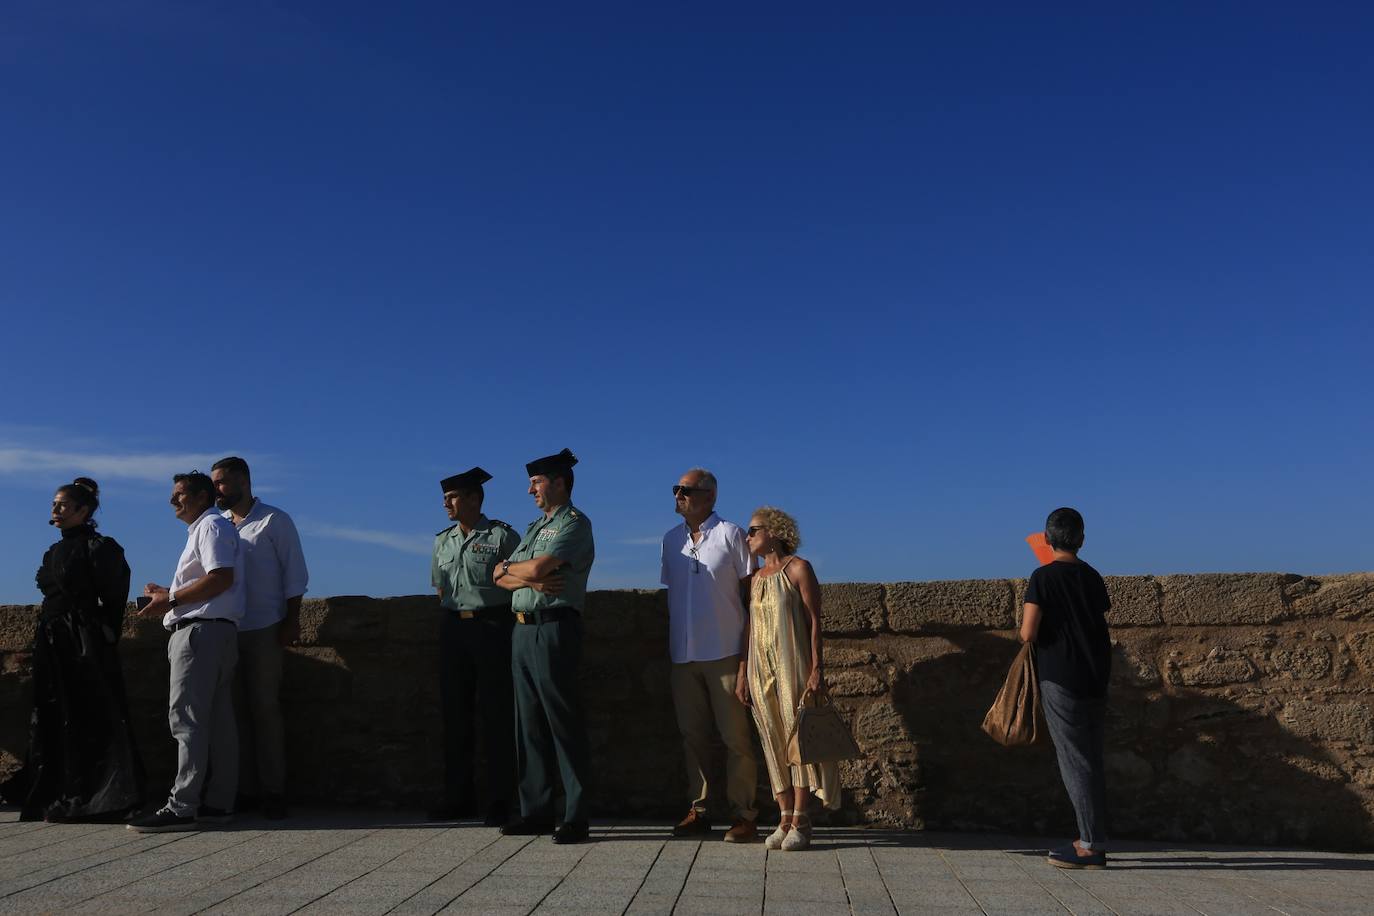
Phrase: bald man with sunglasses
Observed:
(705, 566)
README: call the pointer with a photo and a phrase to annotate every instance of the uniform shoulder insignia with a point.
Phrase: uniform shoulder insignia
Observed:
(445, 531)
(500, 524)
(573, 513)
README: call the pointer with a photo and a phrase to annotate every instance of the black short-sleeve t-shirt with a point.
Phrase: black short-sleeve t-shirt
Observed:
(1072, 648)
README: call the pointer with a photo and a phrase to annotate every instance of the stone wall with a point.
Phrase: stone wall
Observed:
(1241, 706)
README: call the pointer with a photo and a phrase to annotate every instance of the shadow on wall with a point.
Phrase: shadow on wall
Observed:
(1181, 764)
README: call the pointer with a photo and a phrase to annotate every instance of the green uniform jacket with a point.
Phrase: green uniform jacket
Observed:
(567, 534)
(462, 566)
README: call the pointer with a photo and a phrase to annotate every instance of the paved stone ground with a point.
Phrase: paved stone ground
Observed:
(374, 862)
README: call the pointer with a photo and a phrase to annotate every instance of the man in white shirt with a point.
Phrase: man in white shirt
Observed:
(201, 609)
(705, 563)
(275, 579)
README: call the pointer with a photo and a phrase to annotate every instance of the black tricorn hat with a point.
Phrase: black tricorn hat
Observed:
(551, 465)
(468, 480)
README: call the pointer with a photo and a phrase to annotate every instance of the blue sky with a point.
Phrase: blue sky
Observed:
(916, 273)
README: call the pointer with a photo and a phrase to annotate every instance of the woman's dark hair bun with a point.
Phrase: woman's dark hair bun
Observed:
(86, 483)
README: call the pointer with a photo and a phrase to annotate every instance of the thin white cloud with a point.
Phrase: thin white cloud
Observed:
(154, 466)
(406, 543)
(655, 541)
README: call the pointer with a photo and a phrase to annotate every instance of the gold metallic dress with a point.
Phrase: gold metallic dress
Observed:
(779, 664)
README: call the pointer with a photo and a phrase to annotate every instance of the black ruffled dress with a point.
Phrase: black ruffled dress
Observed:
(82, 762)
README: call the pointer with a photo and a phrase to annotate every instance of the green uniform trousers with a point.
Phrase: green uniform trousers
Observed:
(548, 713)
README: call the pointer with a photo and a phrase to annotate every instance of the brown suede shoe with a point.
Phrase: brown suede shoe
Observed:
(742, 831)
(694, 824)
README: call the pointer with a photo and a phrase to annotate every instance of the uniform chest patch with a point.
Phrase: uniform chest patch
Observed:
(546, 533)
(487, 550)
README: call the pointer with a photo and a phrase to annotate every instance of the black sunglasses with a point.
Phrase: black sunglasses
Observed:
(755, 529)
(680, 490)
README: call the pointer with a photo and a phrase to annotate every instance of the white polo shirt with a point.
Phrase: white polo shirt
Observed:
(705, 613)
(211, 543)
(274, 564)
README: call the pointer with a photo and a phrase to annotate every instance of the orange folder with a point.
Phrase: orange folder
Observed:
(1043, 551)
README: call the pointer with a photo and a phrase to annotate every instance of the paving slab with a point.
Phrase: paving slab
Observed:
(366, 862)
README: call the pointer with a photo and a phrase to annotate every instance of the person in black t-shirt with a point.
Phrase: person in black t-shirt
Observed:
(1065, 616)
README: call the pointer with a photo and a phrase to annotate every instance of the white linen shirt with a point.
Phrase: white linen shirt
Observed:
(211, 543)
(705, 613)
(274, 564)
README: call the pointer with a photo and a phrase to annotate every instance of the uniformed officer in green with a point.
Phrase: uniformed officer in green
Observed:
(474, 651)
(547, 575)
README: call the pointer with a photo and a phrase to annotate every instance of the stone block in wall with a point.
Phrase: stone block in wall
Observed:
(1349, 597)
(1224, 599)
(836, 656)
(1348, 723)
(413, 619)
(925, 607)
(1217, 669)
(343, 620)
(880, 723)
(854, 682)
(1137, 601)
(1300, 663)
(17, 623)
(851, 609)
(1131, 665)
(1361, 645)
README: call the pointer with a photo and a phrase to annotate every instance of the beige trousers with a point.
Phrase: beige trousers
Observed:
(706, 705)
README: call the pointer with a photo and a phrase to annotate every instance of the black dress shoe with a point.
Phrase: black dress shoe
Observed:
(522, 827)
(571, 832)
(497, 815)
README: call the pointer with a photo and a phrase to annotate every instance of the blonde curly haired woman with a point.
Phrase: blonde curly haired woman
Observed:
(784, 661)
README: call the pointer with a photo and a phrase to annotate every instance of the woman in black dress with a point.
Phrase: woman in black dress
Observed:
(82, 762)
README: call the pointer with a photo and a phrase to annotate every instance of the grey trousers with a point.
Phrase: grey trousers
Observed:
(262, 751)
(201, 713)
(1078, 727)
(706, 705)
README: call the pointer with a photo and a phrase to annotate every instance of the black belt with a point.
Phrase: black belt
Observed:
(180, 624)
(546, 616)
(498, 613)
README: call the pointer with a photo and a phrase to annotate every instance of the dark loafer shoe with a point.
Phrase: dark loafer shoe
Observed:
(694, 824)
(572, 832)
(1068, 857)
(523, 827)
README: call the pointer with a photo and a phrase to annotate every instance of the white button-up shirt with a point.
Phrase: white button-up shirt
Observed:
(211, 543)
(705, 613)
(274, 564)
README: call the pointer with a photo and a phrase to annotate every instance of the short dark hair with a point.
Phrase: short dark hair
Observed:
(566, 475)
(1064, 529)
(196, 482)
(234, 465)
(481, 493)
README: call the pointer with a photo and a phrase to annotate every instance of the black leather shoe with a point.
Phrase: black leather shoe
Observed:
(572, 832)
(497, 815)
(522, 827)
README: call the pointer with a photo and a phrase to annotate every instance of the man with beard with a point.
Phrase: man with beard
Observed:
(275, 579)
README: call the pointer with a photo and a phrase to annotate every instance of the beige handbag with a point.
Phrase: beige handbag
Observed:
(1014, 719)
(820, 735)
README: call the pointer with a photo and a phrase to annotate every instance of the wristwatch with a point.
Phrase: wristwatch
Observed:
(505, 567)
(171, 600)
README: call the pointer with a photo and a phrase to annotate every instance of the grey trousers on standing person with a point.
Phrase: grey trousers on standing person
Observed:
(1078, 726)
(262, 752)
(201, 713)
